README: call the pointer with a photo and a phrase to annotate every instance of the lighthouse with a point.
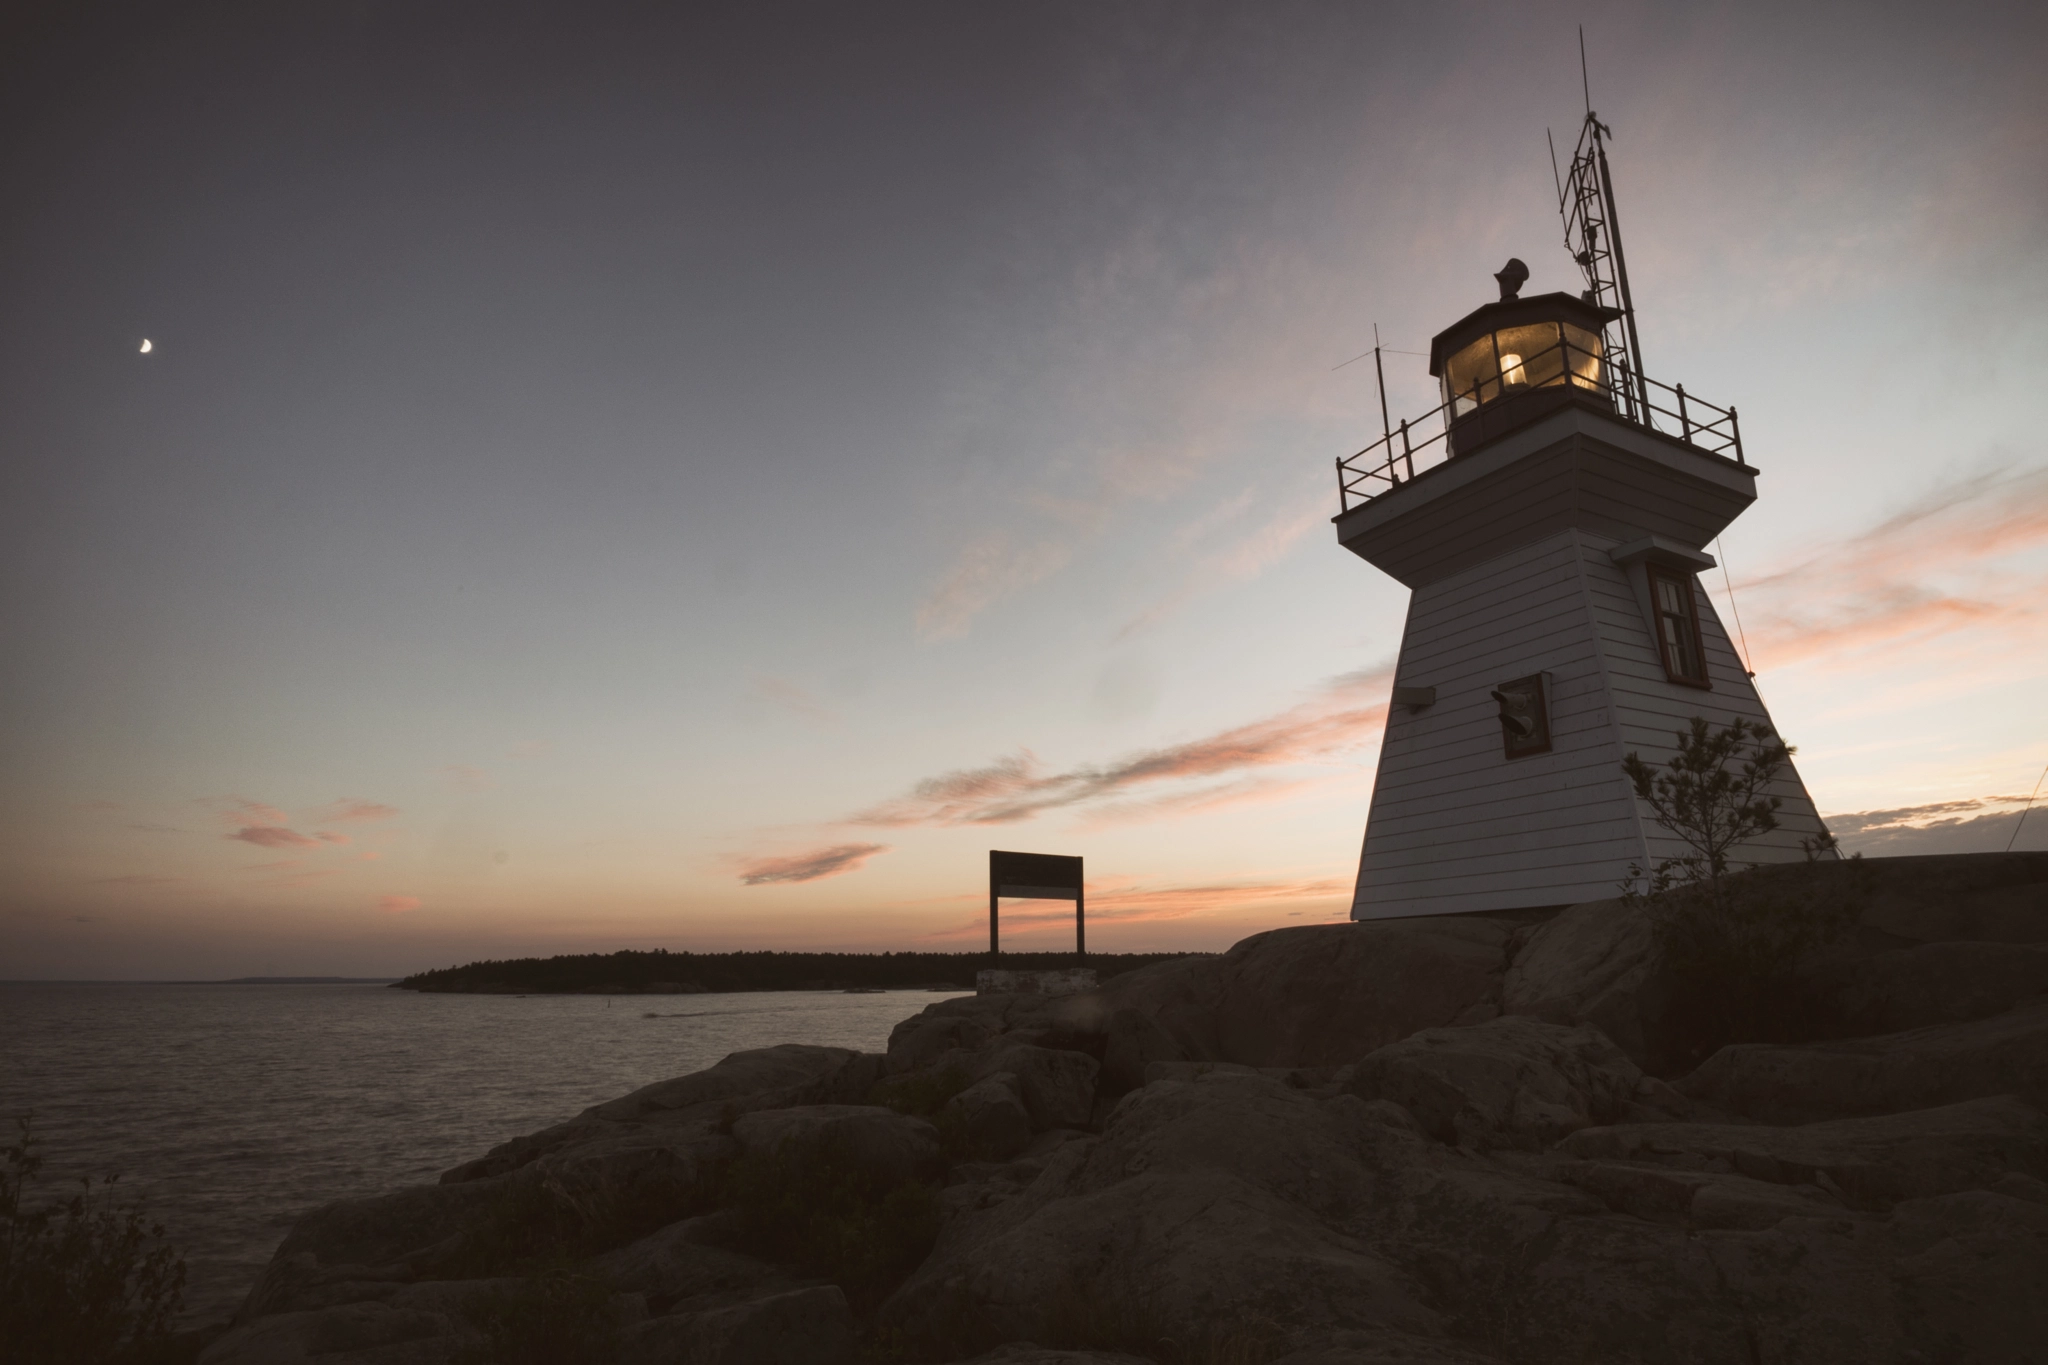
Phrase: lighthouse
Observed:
(1550, 519)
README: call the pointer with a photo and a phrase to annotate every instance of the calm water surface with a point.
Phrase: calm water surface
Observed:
(233, 1109)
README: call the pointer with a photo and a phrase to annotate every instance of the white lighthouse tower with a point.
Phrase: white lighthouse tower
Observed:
(1551, 519)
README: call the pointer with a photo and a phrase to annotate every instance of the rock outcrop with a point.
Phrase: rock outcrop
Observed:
(1449, 1141)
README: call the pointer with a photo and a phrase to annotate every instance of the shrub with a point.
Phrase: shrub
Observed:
(813, 1205)
(82, 1280)
(1732, 943)
(1733, 953)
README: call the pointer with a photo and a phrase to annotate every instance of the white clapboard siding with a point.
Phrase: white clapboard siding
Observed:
(1455, 826)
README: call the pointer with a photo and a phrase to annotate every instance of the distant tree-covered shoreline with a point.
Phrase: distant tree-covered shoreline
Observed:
(661, 972)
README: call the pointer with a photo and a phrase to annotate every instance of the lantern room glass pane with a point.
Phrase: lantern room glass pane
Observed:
(1471, 377)
(1537, 355)
(1582, 352)
(1530, 357)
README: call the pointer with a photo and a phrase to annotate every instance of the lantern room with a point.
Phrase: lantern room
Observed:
(1503, 363)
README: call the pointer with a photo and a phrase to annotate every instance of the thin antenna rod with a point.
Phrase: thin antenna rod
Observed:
(1556, 179)
(1386, 423)
(1585, 81)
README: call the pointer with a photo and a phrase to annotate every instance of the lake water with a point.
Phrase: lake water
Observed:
(233, 1109)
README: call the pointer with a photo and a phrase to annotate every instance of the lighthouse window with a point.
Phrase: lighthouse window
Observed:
(1678, 628)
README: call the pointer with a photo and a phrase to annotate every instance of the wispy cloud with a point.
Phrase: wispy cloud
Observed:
(397, 905)
(809, 867)
(1126, 901)
(1940, 566)
(794, 699)
(1138, 902)
(1242, 556)
(1345, 713)
(466, 776)
(274, 836)
(989, 568)
(266, 826)
(1974, 825)
(353, 809)
(239, 810)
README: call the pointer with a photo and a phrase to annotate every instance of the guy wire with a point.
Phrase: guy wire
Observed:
(1748, 665)
(2023, 813)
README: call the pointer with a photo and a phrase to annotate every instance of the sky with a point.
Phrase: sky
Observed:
(701, 476)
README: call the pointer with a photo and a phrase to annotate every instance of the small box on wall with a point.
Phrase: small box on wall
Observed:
(1524, 715)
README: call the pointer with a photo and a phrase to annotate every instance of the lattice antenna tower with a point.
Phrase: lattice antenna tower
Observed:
(1592, 234)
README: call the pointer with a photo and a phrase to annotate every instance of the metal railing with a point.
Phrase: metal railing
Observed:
(1422, 443)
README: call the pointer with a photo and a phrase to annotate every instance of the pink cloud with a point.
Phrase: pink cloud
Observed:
(809, 867)
(467, 777)
(1345, 714)
(273, 836)
(397, 905)
(1930, 570)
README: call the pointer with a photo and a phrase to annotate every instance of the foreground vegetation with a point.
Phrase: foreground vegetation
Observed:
(660, 971)
(83, 1280)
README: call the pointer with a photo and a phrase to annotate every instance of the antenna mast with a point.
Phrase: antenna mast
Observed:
(1592, 233)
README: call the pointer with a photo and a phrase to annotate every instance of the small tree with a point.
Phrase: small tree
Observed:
(1712, 806)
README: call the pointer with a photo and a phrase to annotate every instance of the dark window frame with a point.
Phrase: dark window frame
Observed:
(1688, 586)
(1538, 742)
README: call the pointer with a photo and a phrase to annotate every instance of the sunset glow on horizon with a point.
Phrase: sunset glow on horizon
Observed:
(702, 483)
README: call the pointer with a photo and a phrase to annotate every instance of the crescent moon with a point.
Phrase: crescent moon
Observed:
(147, 346)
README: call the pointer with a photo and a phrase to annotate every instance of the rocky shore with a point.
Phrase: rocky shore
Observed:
(1450, 1141)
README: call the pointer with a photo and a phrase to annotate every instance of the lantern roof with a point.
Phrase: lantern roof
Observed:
(1559, 307)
